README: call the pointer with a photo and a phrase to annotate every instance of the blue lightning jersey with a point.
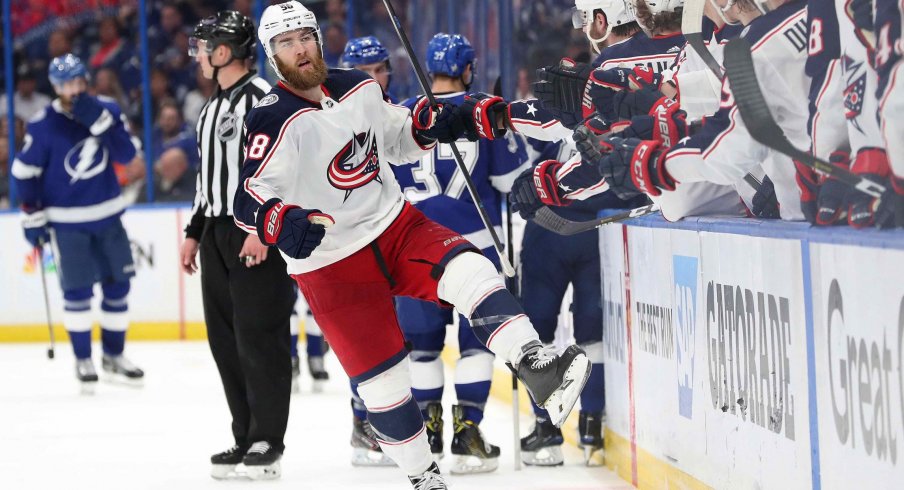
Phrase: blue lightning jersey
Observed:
(68, 172)
(436, 186)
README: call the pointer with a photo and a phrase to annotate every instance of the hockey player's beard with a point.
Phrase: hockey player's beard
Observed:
(303, 80)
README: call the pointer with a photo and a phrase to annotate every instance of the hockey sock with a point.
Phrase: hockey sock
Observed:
(427, 379)
(358, 408)
(473, 373)
(472, 284)
(293, 345)
(593, 398)
(396, 420)
(77, 320)
(314, 345)
(114, 320)
(293, 333)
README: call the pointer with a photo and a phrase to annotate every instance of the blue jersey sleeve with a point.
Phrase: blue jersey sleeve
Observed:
(117, 139)
(28, 167)
(509, 157)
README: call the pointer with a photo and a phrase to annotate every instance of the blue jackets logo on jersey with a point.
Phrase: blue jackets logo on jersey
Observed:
(87, 159)
(855, 90)
(356, 164)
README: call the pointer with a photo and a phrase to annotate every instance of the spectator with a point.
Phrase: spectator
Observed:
(177, 64)
(160, 86)
(171, 22)
(334, 43)
(243, 7)
(195, 100)
(175, 156)
(106, 83)
(114, 52)
(27, 101)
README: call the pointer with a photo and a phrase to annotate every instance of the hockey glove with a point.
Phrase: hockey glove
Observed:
(537, 187)
(606, 84)
(34, 223)
(823, 198)
(765, 204)
(861, 13)
(560, 90)
(866, 210)
(636, 166)
(89, 112)
(484, 116)
(289, 228)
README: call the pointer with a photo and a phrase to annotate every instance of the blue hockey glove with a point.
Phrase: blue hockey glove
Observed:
(864, 210)
(765, 204)
(830, 201)
(443, 124)
(89, 112)
(560, 90)
(34, 223)
(606, 84)
(536, 187)
(634, 166)
(290, 228)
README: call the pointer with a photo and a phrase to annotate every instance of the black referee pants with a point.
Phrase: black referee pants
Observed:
(247, 313)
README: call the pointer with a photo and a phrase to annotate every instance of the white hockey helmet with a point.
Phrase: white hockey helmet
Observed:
(659, 6)
(285, 17)
(618, 12)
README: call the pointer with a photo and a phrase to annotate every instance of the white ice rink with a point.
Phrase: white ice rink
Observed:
(161, 436)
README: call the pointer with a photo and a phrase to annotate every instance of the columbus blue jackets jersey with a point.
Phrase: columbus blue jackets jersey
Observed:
(330, 155)
(436, 186)
(68, 172)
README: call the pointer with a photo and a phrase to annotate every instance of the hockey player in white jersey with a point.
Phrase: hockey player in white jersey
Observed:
(71, 200)
(723, 152)
(316, 155)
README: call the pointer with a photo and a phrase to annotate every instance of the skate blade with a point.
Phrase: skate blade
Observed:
(560, 403)
(122, 380)
(264, 472)
(87, 388)
(589, 453)
(547, 456)
(469, 465)
(366, 457)
(228, 472)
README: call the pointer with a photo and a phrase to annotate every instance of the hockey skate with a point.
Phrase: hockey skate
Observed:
(296, 373)
(86, 375)
(318, 373)
(555, 381)
(543, 446)
(366, 450)
(429, 480)
(262, 461)
(590, 429)
(121, 370)
(472, 453)
(223, 465)
(434, 423)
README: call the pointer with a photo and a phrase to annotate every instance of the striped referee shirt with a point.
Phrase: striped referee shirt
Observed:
(221, 144)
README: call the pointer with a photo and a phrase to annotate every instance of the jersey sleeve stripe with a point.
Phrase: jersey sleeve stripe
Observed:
(23, 171)
(718, 139)
(356, 88)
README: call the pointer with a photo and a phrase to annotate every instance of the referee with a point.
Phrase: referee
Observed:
(248, 297)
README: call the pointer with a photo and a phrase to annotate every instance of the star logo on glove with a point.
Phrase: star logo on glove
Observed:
(531, 109)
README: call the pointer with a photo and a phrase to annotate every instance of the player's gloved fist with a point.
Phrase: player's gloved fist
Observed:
(865, 210)
(861, 12)
(606, 84)
(560, 90)
(289, 228)
(591, 141)
(34, 223)
(89, 112)
(808, 185)
(765, 204)
(484, 116)
(636, 166)
(536, 187)
(830, 203)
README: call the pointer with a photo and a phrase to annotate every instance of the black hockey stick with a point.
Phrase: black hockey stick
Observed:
(762, 126)
(507, 267)
(51, 349)
(546, 218)
(692, 28)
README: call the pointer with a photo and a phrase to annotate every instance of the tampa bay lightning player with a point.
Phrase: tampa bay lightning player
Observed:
(370, 56)
(71, 199)
(436, 187)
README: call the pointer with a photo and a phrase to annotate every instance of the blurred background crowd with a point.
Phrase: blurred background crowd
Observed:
(106, 34)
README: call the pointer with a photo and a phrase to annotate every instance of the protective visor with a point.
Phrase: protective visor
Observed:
(196, 45)
(291, 40)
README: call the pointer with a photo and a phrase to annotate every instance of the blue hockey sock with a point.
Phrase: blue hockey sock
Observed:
(293, 345)
(81, 344)
(593, 398)
(472, 397)
(358, 408)
(113, 341)
(314, 345)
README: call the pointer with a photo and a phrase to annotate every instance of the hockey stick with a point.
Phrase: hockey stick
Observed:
(692, 28)
(512, 284)
(51, 349)
(469, 182)
(764, 129)
(546, 218)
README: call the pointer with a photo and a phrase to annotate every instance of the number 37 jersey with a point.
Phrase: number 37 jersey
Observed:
(436, 186)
